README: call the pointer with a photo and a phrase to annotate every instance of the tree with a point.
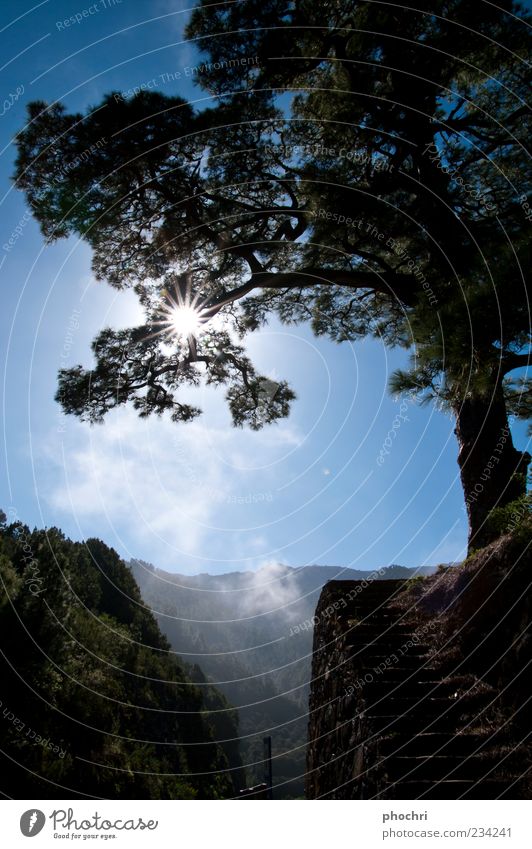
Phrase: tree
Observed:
(382, 200)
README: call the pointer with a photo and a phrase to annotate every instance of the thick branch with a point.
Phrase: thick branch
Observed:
(398, 286)
(513, 361)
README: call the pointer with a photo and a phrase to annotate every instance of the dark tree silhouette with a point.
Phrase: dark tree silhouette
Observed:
(387, 197)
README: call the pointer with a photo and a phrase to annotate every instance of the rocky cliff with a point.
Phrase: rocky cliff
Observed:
(420, 688)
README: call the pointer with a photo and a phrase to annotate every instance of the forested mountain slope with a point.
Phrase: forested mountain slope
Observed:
(94, 704)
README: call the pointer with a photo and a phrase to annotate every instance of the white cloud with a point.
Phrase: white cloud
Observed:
(173, 490)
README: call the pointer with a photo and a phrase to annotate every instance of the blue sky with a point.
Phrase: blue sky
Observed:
(202, 496)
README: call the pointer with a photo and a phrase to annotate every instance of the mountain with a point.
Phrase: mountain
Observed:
(94, 702)
(251, 633)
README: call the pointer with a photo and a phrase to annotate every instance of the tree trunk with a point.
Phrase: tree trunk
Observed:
(492, 471)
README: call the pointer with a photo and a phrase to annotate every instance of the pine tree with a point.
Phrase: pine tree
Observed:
(388, 198)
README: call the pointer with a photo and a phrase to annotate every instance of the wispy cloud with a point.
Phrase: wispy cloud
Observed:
(178, 491)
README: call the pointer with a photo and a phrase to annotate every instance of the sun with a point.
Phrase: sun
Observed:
(181, 315)
(185, 321)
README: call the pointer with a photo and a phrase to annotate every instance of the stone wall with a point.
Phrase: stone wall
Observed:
(421, 689)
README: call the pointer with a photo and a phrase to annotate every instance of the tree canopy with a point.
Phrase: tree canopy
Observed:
(361, 167)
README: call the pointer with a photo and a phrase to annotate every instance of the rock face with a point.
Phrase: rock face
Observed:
(350, 636)
(393, 713)
(205, 617)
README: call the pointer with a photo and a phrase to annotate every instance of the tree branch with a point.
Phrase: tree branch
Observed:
(513, 361)
(401, 287)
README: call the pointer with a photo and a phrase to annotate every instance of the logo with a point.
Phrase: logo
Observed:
(32, 822)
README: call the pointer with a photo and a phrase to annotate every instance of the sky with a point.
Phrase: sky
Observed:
(198, 497)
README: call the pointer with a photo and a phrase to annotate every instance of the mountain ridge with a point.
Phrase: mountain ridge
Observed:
(251, 634)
